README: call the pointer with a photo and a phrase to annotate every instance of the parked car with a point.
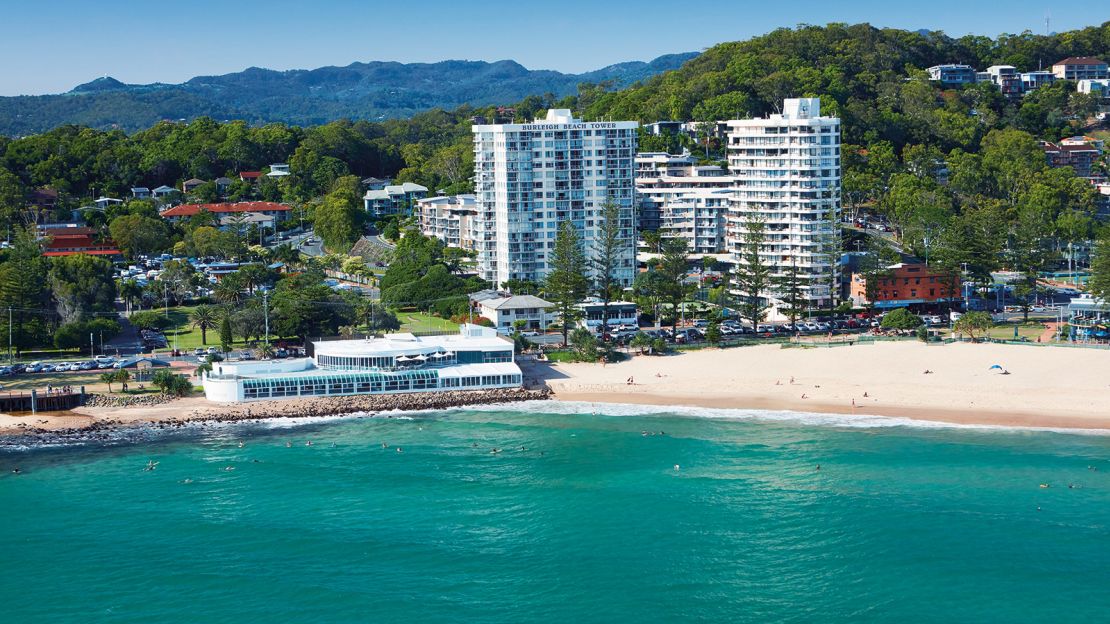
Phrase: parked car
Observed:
(90, 365)
(281, 353)
(47, 368)
(199, 352)
(19, 368)
(246, 355)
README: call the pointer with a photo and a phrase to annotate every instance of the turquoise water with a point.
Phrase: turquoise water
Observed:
(592, 523)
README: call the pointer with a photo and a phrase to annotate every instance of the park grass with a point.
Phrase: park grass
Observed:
(188, 337)
(1005, 331)
(420, 322)
(89, 379)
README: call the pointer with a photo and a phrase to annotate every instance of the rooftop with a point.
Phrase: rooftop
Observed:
(516, 302)
(471, 337)
(188, 210)
(1080, 60)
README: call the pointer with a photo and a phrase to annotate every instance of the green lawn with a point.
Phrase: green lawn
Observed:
(420, 322)
(1005, 331)
(189, 337)
(89, 379)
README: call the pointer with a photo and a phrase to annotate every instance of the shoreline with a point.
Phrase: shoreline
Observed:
(92, 423)
(972, 418)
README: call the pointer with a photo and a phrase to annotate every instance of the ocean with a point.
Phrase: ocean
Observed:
(587, 514)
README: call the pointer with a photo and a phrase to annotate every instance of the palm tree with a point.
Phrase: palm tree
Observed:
(204, 318)
(108, 378)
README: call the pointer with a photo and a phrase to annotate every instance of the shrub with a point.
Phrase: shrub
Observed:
(901, 319)
(170, 382)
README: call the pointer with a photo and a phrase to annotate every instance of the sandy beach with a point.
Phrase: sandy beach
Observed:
(1046, 387)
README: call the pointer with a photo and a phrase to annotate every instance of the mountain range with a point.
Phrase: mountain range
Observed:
(374, 90)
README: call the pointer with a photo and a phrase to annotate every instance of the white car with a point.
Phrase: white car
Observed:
(530, 333)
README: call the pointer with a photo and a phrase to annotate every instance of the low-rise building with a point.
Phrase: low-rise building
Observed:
(1036, 79)
(279, 212)
(620, 313)
(190, 185)
(257, 219)
(393, 199)
(140, 192)
(952, 74)
(278, 170)
(450, 218)
(104, 202)
(164, 192)
(505, 309)
(474, 359)
(907, 285)
(1079, 153)
(249, 176)
(68, 239)
(1081, 68)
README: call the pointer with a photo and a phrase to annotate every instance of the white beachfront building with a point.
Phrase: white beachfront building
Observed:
(474, 359)
(786, 172)
(529, 178)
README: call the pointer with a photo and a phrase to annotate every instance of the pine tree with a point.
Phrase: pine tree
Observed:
(752, 274)
(673, 268)
(608, 251)
(566, 284)
(225, 333)
(790, 287)
(23, 288)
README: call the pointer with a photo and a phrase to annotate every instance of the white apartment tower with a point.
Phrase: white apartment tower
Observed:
(682, 199)
(786, 172)
(529, 178)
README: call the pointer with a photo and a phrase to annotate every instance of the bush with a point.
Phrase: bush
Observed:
(584, 344)
(149, 319)
(170, 382)
(901, 319)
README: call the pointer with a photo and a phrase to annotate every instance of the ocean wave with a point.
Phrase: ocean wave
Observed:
(821, 419)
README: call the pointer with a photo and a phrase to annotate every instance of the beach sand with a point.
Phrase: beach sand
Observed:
(1046, 387)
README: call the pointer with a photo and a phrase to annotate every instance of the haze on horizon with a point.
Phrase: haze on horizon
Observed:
(52, 47)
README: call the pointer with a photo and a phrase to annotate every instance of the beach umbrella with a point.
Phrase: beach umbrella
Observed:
(998, 366)
(419, 357)
(403, 358)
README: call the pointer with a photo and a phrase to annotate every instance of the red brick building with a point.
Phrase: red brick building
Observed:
(68, 241)
(907, 285)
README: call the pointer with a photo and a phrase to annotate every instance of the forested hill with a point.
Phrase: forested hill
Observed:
(857, 70)
(372, 91)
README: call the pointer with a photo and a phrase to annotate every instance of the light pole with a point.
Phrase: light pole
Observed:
(266, 314)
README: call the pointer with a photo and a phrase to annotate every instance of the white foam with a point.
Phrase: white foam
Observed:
(858, 421)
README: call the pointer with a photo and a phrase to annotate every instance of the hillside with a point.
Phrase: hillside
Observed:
(372, 91)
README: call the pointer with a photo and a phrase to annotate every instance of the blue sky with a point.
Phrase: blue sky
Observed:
(50, 46)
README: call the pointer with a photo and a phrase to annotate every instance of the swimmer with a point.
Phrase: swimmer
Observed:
(1045, 486)
(256, 461)
(288, 444)
(309, 443)
(474, 445)
(399, 450)
(16, 470)
(494, 451)
(186, 481)
(229, 468)
(240, 444)
(151, 465)
(384, 445)
(676, 467)
(818, 466)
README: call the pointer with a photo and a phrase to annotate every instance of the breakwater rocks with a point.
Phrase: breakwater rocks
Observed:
(127, 400)
(116, 430)
(333, 406)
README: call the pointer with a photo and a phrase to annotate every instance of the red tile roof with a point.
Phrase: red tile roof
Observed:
(91, 252)
(249, 174)
(188, 210)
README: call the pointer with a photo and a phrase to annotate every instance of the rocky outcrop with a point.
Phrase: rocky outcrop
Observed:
(127, 400)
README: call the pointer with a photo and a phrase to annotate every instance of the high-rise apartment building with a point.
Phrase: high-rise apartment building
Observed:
(529, 178)
(786, 172)
(682, 199)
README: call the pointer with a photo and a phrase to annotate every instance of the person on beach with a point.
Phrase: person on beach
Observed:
(804, 396)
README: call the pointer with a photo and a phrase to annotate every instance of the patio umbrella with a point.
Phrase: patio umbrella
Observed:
(419, 357)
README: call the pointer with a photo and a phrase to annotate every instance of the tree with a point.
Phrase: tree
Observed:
(138, 234)
(339, 219)
(609, 249)
(752, 274)
(149, 319)
(672, 277)
(713, 331)
(974, 324)
(585, 345)
(1099, 283)
(790, 287)
(108, 378)
(901, 319)
(566, 284)
(23, 289)
(171, 383)
(640, 341)
(225, 333)
(204, 318)
(82, 286)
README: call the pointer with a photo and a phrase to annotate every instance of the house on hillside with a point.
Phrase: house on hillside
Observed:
(278, 170)
(190, 185)
(68, 239)
(1081, 68)
(140, 192)
(279, 212)
(249, 176)
(164, 192)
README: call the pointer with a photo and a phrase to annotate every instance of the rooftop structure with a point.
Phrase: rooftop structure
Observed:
(474, 359)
